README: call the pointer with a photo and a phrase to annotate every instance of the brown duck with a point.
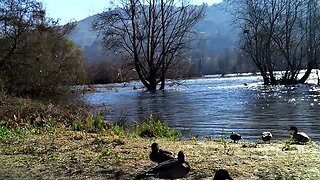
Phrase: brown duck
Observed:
(158, 155)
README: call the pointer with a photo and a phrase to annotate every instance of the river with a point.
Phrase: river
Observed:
(205, 106)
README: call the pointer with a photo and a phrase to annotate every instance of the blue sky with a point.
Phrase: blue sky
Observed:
(68, 10)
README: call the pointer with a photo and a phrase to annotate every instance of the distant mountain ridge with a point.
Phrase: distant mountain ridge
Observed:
(216, 29)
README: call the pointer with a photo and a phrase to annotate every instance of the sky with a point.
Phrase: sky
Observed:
(70, 10)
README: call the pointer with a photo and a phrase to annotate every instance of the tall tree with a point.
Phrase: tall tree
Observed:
(280, 35)
(154, 33)
(35, 55)
(311, 27)
(17, 20)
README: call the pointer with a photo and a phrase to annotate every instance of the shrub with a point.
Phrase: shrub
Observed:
(36, 56)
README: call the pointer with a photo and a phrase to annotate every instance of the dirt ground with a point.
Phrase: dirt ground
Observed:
(78, 155)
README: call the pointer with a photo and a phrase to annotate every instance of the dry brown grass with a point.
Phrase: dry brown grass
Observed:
(22, 112)
(67, 154)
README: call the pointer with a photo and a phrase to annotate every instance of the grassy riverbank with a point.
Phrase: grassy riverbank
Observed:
(61, 153)
(49, 141)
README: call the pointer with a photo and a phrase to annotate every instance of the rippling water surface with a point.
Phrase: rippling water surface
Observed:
(206, 106)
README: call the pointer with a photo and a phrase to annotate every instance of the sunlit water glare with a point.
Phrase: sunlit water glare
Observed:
(206, 106)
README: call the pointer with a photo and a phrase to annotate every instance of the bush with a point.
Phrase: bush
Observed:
(36, 58)
(50, 73)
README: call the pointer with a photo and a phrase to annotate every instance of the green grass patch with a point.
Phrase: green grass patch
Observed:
(92, 124)
(15, 135)
(118, 130)
(153, 127)
(4, 130)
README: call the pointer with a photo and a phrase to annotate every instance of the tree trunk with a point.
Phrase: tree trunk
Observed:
(162, 84)
(138, 70)
(152, 87)
(307, 73)
(152, 82)
(273, 80)
(163, 79)
(266, 79)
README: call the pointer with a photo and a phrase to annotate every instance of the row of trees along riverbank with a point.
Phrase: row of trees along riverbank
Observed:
(37, 58)
(279, 35)
(276, 35)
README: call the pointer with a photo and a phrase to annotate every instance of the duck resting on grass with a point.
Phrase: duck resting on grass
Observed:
(299, 137)
(266, 136)
(235, 137)
(170, 169)
(222, 174)
(158, 155)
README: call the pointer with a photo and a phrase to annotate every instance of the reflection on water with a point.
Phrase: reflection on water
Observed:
(206, 106)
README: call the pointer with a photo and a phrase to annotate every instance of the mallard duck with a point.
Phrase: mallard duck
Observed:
(266, 136)
(158, 155)
(222, 174)
(299, 137)
(170, 169)
(235, 136)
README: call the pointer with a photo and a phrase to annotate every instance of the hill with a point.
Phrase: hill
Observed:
(215, 29)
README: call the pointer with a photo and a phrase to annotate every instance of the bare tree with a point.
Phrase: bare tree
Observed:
(289, 39)
(311, 20)
(154, 33)
(280, 35)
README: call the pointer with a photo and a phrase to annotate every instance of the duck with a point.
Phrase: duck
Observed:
(170, 169)
(222, 174)
(235, 137)
(158, 155)
(299, 137)
(266, 136)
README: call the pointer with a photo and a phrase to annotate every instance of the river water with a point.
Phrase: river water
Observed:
(207, 105)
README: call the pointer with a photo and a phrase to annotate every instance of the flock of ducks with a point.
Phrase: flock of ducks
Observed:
(298, 137)
(169, 167)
